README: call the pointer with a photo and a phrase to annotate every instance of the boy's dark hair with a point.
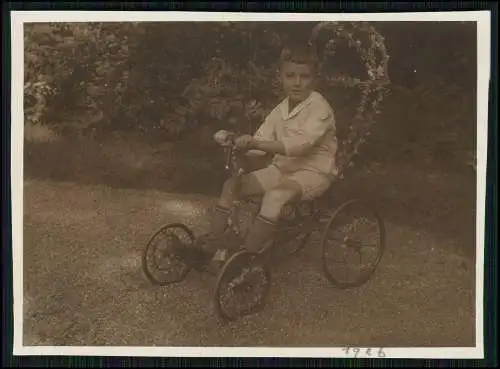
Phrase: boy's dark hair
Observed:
(300, 54)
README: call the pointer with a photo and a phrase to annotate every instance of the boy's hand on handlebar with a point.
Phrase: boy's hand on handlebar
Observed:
(242, 143)
(223, 137)
(245, 142)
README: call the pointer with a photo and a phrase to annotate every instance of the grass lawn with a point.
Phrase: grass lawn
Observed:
(83, 284)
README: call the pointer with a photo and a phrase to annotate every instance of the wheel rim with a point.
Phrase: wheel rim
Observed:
(353, 244)
(242, 287)
(160, 263)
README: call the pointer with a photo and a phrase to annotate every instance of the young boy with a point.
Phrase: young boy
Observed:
(300, 134)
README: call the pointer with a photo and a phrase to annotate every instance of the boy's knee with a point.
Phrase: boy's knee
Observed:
(242, 186)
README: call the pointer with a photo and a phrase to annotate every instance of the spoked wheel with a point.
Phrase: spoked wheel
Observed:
(242, 286)
(160, 260)
(353, 242)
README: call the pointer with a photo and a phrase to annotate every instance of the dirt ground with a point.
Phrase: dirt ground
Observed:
(83, 283)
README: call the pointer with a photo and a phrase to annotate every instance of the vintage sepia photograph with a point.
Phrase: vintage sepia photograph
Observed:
(249, 184)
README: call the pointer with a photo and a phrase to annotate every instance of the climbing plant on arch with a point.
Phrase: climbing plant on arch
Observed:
(370, 46)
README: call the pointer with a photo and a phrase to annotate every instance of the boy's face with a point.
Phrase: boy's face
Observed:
(297, 80)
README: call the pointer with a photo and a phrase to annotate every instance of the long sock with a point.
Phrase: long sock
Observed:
(260, 234)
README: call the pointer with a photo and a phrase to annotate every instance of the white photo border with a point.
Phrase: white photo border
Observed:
(18, 18)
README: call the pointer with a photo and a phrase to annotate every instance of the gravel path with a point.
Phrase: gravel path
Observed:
(83, 284)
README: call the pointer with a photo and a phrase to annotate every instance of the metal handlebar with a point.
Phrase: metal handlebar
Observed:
(226, 139)
(229, 156)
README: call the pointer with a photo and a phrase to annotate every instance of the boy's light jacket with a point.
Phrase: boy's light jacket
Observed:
(308, 133)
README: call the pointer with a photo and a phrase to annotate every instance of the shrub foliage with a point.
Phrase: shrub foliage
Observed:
(173, 80)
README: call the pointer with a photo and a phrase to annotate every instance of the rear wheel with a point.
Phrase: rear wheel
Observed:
(353, 242)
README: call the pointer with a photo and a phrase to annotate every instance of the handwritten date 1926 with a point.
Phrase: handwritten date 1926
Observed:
(377, 352)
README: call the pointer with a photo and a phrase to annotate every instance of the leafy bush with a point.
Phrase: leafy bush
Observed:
(77, 69)
(170, 79)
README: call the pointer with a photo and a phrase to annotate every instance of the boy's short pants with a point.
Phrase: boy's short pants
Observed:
(312, 184)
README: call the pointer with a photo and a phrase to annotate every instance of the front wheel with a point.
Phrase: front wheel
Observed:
(161, 263)
(242, 286)
(354, 232)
